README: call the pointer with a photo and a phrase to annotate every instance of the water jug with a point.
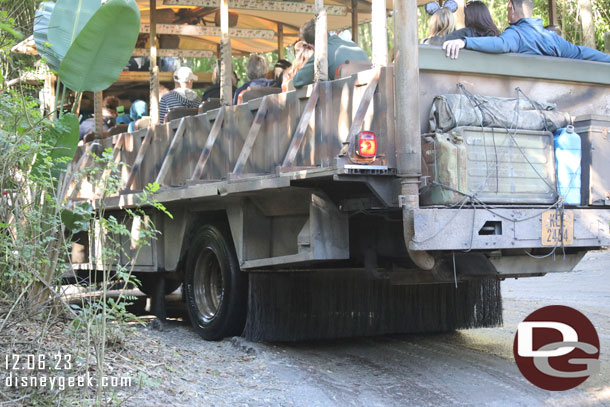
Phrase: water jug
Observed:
(567, 158)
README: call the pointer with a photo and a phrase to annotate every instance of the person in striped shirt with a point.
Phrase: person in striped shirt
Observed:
(183, 94)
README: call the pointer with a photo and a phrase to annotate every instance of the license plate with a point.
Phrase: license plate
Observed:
(552, 233)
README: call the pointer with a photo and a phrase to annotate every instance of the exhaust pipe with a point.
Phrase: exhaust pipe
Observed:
(409, 202)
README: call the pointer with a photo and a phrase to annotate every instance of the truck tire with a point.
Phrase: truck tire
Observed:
(215, 287)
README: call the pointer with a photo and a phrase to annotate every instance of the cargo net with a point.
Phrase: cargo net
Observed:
(510, 114)
(329, 304)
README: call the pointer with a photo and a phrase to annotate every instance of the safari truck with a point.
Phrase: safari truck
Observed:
(346, 208)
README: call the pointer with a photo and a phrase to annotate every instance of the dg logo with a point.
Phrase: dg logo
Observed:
(556, 348)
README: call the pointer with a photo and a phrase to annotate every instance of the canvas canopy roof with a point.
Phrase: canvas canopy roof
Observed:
(254, 23)
(193, 24)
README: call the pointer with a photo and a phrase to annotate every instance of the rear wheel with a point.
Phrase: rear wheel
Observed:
(215, 287)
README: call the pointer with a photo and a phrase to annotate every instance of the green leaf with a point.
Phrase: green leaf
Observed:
(67, 20)
(66, 134)
(41, 31)
(102, 48)
(62, 138)
(77, 220)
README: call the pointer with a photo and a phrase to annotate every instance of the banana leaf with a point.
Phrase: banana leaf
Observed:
(62, 139)
(42, 20)
(65, 136)
(102, 48)
(67, 20)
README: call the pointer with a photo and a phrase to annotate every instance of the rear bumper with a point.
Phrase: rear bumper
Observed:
(460, 229)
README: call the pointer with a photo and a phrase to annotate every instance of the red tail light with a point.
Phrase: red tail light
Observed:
(367, 144)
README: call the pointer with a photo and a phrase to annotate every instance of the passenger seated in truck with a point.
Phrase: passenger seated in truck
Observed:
(109, 114)
(339, 51)
(213, 92)
(442, 22)
(302, 52)
(138, 109)
(256, 69)
(478, 21)
(183, 94)
(525, 35)
(277, 73)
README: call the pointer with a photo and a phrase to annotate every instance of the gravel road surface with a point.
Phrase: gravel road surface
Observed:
(464, 368)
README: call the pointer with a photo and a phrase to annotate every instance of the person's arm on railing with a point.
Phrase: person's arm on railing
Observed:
(507, 42)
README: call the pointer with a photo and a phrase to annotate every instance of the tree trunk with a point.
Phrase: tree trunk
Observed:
(586, 19)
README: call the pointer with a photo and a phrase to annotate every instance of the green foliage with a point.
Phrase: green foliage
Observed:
(99, 53)
(67, 21)
(63, 139)
(16, 18)
(41, 35)
(10, 30)
(78, 218)
(27, 207)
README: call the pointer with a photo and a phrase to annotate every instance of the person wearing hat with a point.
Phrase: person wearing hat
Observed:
(183, 94)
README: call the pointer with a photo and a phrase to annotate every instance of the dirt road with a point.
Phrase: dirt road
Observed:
(473, 367)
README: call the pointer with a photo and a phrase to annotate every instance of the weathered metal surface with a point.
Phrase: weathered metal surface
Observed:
(463, 229)
(143, 147)
(304, 124)
(407, 87)
(577, 87)
(322, 136)
(173, 230)
(172, 153)
(254, 137)
(314, 233)
(253, 133)
(508, 266)
(291, 139)
(209, 145)
(594, 132)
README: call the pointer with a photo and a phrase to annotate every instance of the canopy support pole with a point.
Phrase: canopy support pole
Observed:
(280, 41)
(355, 21)
(380, 33)
(321, 46)
(154, 68)
(98, 111)
(226, 63)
